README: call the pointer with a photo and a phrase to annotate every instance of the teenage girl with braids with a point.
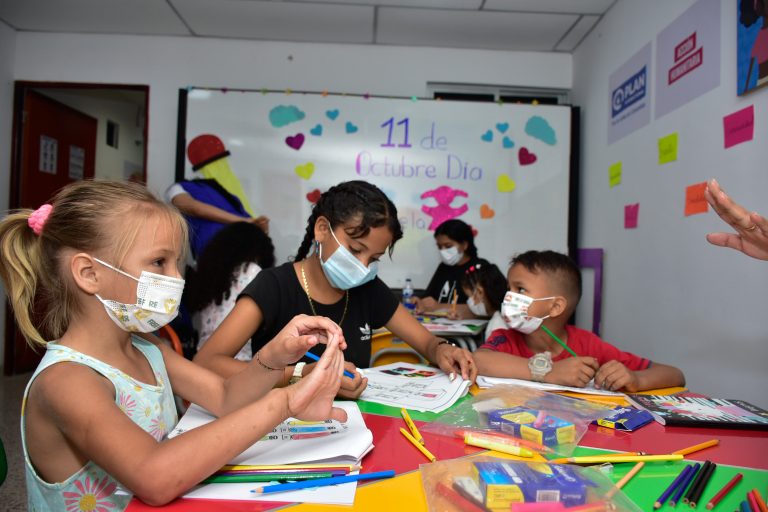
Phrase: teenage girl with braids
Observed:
(97, 410)
(334, 275)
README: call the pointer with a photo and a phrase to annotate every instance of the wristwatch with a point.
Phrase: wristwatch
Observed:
(540, 365)
(298, 372)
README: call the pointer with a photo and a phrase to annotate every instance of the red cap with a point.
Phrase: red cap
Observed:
(205, 149)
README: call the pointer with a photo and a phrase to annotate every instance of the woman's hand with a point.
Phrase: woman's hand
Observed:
(425, 304)
(751, 235)
(311, 399)
(454, 360)
(297, 337)
(350, 388)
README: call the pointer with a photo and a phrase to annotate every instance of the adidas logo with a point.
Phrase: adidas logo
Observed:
(366, 332)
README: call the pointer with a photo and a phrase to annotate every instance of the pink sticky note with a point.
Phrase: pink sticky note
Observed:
(631, 212)
(694, 199)
(739, 127)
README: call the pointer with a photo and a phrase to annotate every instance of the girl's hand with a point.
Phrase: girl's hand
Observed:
(454, 360)
(350, 388)
(425, 304)
(613, 376)
(311, 399)
(297, 337)
(573, 371)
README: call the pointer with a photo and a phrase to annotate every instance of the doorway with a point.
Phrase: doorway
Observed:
(64, 132)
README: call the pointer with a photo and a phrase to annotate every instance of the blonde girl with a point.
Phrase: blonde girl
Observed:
(97, 409)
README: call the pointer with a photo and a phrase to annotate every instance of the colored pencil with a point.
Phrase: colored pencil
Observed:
(454, 301)
(681, 490)
(331, 472)
(626, 478)
(291, 467)
(671, 489)
(744, 507)
(418, 445)
(320, 482)
(697, 481)
(561, 342)
(702, 486)
(317, 358)
(724, 491)
(753, 501)
(457, 499)
(599, 459)
(698, 447)
(236, 479)
(760, 500)
(411, 425)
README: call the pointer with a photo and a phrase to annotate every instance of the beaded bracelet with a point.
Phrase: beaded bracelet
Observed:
(261, 363)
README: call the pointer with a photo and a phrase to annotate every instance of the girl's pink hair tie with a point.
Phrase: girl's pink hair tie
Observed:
(38, 218)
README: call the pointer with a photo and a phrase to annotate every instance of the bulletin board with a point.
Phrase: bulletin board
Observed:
(505, 169)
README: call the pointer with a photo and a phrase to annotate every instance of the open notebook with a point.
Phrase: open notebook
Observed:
(292, 442)
(488, 382)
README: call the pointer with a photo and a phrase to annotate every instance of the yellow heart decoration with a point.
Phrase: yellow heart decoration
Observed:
(505, 184)
(305, 171)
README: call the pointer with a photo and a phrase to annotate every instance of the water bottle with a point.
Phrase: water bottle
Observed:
(408, 299)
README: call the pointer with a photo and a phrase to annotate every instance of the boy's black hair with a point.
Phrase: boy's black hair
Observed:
(560, 267)
(459, 231)
(233, 246)
(357, 204)
(489, 277)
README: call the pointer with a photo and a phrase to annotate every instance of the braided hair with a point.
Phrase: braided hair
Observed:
(358, 203)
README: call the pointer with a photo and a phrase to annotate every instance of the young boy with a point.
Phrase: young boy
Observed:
(545, 287)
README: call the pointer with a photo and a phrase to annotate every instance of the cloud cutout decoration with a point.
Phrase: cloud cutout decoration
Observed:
(283, 115)
(538, 127)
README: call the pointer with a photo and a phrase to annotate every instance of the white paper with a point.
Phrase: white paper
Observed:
(413, 386)
(488, 382)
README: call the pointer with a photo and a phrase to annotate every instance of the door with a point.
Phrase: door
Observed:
(58, 146)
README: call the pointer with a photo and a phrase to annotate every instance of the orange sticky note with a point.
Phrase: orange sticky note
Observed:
(694, 199)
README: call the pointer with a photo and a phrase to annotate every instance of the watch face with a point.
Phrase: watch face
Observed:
(540, 363)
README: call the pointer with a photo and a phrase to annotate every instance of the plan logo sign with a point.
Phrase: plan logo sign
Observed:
(629, 93)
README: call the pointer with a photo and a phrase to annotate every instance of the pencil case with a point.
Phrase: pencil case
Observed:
(626, 419)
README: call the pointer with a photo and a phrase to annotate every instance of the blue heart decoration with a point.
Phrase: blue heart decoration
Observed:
(487, 136)
(317, 130)
(507, 142)
(332, 114)
(350, 128)
(502, 127)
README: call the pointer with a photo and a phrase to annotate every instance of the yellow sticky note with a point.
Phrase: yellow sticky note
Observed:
(668, 149)
(614, 174)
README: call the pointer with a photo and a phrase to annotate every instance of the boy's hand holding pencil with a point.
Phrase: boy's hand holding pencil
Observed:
(573, 371)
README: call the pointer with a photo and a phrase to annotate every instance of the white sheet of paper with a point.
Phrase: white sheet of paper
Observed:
(413, 386)
(488, 382)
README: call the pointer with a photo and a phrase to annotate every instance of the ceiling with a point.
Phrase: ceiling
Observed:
(509, 25)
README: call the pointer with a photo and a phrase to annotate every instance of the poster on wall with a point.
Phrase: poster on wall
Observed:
(630, 95)
(688, 56)
(751, 45)
(503, 169)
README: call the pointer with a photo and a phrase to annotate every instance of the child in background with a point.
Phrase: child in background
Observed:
(97, 410)
(485, 286)
(351, 227)
(545, 288)
(226, 266)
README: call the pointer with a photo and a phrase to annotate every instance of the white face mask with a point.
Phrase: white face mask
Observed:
(343, 270)
(514, 311)
(157, 302)
(451, 255)
(477, 308)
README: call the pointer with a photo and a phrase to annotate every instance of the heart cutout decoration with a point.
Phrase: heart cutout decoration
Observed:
(314, 196)
(526, 157)
(295, 142)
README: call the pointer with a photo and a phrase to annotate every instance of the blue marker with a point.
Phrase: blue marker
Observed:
(317, 358)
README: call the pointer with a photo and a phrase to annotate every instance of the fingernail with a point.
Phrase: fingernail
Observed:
(452, 377)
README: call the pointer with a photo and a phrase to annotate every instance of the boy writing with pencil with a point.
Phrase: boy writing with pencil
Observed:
(545, 287)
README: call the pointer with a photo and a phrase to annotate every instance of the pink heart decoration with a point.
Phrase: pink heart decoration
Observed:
(295, 142)
(526, 157)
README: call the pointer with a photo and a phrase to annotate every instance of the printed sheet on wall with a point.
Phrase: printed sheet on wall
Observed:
(503, 169)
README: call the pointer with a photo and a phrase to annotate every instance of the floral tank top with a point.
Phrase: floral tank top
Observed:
(149, 406)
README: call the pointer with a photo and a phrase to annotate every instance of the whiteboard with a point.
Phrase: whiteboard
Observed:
(503, 169)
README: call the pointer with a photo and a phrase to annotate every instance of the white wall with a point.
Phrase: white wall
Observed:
(169, 63)
(7, 56)
(110, 161)
(668, 294)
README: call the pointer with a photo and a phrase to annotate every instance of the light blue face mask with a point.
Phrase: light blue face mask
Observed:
(343, 270)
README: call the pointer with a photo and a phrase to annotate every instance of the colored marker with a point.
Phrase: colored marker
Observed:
(321, 482)
(317, 358)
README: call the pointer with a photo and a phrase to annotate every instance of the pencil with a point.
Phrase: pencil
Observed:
(744, 507)
(419, 446)
(626, 478)
(454, 301)
(671, 489)
(760, 500)
(724, 491)
(696, 481)
(457, 499)
(699, 492)
(698, 447)
(291, 467)
(317, 358)
(320, 482)
(411, 425)
(599, 459)
(681, 490)
(266, 477)
(561, 342)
